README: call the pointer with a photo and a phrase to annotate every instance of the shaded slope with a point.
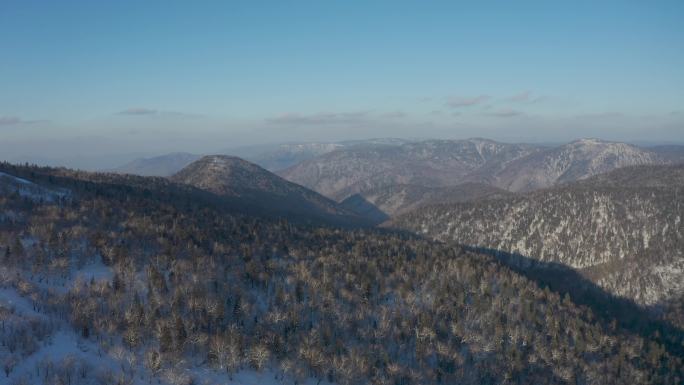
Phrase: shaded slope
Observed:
(397, 199)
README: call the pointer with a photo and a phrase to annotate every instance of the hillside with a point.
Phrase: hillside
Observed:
(622, 230)
(513, 167)
(161, 286)
(433, 163)
(392, 200)
(236, 178)
(571, 162)
(672, 153)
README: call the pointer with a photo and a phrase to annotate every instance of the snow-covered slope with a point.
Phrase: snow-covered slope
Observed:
(39, 346)
(628, 238)
(432, 163)
(574, 161)
(439, 163)
(11, 184)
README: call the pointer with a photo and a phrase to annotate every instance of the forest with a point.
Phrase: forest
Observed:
(181, 282)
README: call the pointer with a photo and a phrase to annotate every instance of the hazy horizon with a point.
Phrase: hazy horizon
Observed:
(108, 82)
(94, 160)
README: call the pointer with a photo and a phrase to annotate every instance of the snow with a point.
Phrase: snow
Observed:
(28, 189)
(245, 377)
(101, 361)
(107, 361)
(11, 299)
(96, 271)
(16, 179)
(61, 345)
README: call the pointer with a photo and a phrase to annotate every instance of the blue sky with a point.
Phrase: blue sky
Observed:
(152, 76)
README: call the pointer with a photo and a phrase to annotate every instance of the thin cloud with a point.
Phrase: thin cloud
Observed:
(504, 113)
(15, 121)
(601, 115)
(142, 111)
(321, 118)
(9, 120)
(138, 111)
(459, 102)
(394, 115)
(524, 96)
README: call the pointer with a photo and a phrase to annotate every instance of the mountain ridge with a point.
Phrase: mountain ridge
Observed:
(431, 163)
(438, 163)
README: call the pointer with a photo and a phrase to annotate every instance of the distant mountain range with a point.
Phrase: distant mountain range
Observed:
(514, 167)
(622, 230)
(380, 178)
(163, 165)
(432, 163)
(272, 157)
(285, 155)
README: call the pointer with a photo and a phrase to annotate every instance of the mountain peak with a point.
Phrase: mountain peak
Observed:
(480, 140)
(589, 141)
(227, 175)
(226, 161)
(233, 177)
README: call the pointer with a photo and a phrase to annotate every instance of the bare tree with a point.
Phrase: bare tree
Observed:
(259, 356)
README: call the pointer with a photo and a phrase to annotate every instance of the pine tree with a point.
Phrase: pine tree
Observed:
(181, 334)
(118, 283)
(165, 339)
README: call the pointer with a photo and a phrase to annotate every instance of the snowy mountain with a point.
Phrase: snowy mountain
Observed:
(513, 167)
(276, 157)
(432, 163)
(622, 230)
(239, 179)
(574, 161)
